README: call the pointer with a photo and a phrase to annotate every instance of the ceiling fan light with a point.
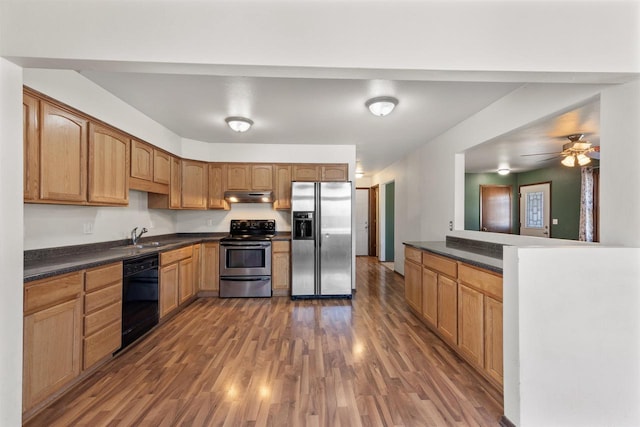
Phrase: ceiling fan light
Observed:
(381, 105)
(583, 159)
(239, 124)
(569, 161)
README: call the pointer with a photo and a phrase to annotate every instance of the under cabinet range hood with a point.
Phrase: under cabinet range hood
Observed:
(248, 196)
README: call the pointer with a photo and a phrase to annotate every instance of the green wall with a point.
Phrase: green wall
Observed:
(389, 232)
(565, 197)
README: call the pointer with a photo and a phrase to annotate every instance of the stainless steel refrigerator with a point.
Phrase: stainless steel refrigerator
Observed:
(321, 260)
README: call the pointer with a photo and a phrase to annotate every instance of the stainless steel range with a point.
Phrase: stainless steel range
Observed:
(245, 258)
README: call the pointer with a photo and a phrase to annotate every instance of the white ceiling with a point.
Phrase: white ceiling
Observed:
(545, 137)
(304, 110)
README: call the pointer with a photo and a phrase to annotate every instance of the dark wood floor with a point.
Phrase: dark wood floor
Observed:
(277, 362)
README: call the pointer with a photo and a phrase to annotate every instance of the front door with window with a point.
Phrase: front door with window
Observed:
(535, 210)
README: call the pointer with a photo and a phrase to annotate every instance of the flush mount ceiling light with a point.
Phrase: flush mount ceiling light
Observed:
(504, 171)
(381, 105)
(239, 124)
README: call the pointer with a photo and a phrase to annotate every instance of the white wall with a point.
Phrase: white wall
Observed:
(577, 326)
(59, 225)
(11, 244)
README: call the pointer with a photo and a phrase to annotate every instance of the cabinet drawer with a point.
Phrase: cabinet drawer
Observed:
(413, 254)
(176, 255)
(280, 246)
(102, 344)
(47, 292)
(440, 264)
(483, 280)
(99, 319)
(103, 297)
(100, 277)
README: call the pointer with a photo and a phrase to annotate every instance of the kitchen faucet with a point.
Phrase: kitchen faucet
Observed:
(134, 237)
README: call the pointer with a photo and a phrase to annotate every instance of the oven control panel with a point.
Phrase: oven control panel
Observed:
(253, 226)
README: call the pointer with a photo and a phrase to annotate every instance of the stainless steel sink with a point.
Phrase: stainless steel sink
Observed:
(145, 245)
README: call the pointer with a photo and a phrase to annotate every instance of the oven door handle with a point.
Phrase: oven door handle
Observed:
(244, 245)
(245, 279)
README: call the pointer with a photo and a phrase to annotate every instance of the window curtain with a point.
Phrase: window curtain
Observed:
(587, 206)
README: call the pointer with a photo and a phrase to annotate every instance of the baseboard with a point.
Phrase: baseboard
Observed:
(504, 422)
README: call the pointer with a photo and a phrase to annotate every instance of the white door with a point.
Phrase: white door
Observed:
(362, 221)
(535, 210)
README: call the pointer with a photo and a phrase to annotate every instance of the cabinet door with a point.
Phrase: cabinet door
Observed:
(210, 266)
(282, 187)
(169, 279)
(52, 340)
(306, 173)
(217, 186)
(186, 280)
(238, 176)
(448, 309)
(108, 166)
(197, 270)
(471, 325)
(161, 167)
(194, 184)
(281, 265)
(175, 186)
(334, 172)
(493, 339)
(141, 160)
(413, 285)
(262, 177)
(63, 155)
(31, 143)
(430, 296)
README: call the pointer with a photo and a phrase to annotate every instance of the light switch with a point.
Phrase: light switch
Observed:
(555, 221)
(88, 228)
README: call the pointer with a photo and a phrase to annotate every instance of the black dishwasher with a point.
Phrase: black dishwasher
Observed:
(139, 297)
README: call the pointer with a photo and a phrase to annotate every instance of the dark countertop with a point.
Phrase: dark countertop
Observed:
(43, 263)
(441, 248)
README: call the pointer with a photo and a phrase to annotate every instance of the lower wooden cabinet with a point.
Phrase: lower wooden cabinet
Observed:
(281, 267)
(471, 324)
(493, 359)
(413, 285)
(209, 281)
(462, 304)
(447, 309)
(52, 336)
(102, 313)
(176, 279)
(169, 279)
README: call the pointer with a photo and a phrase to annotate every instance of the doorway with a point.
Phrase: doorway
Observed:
(535, 209)
(495, 208)
(362, 222)
(374, 195)
(389, 222)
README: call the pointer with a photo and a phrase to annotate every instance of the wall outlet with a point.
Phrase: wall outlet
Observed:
(88, 228)
(210, 222)
(151, 225)
(554, 221)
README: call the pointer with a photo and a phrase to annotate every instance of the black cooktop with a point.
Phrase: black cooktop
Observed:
(251, 229)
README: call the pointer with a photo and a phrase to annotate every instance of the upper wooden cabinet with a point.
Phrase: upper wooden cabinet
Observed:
(141, 160)
(282, 187)
(67, 160)
(321, 172)
(337, 172)
(194, 184)
(303, 172)
(108, 166)
(161, 167)
(247, 177)
(31, 145)
(63, 155)
(217, 186)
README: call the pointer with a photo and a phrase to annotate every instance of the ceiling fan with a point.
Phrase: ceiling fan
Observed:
(577, 151)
